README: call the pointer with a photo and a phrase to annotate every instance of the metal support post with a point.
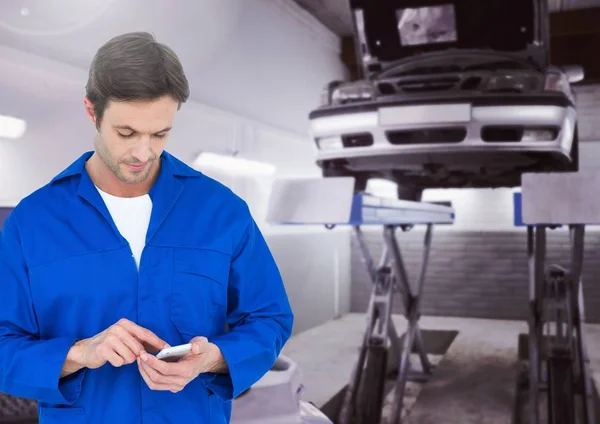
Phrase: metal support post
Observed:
(556, 303)
(363, 398)
(412, 312)
(536, 247)
(577, 233)
(349, 408)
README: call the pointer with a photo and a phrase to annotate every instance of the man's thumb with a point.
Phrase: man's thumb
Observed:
(198, 345)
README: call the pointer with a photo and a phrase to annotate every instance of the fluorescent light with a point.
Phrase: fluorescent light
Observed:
(11, 127)
(233, 164)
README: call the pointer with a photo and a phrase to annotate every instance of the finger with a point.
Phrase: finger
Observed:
(151, 384)
(170, 381)
(155, 376)
(107, 353)
(199, 345)
(156, 381)
(153, 362)
(116, 344)
(146, 336)
(199, 339)
(195, 352)
(124, 352)
(181, 369)
(130, 341)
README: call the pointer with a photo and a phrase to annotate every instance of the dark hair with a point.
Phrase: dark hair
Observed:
(134, 66)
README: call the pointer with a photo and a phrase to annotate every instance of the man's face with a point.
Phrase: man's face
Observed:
(132, 136)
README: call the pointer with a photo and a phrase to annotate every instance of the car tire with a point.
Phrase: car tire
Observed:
(414, 194)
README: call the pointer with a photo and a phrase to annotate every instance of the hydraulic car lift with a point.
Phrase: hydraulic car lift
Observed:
(363, 400)
(558, 364)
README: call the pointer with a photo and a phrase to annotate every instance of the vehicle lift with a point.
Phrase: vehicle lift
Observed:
(331, 202)
(558, 363)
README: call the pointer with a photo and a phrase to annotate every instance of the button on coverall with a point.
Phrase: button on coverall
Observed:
(67, 274)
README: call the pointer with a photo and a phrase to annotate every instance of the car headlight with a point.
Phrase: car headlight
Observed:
(539, 134)
(516, 83)
(352, 92)
(327, 92)
(556, 81)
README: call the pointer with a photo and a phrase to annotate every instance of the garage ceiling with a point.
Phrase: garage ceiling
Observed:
(575, 33)
(335, 14)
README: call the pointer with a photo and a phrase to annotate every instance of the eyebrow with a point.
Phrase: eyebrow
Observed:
(127, 127)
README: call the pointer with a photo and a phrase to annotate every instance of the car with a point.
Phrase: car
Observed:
(452, 94)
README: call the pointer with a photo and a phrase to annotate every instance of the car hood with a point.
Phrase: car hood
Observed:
(454, 61)
(393, 30)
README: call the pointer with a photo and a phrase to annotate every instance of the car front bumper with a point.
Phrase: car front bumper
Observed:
(470, 118)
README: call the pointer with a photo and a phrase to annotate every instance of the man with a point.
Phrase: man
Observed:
(128, 251)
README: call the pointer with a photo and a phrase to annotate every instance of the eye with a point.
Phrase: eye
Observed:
(126, 135)
(160, 135)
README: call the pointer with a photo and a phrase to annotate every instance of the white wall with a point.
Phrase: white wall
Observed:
(273, 67)
(264, 80)
(263, 59)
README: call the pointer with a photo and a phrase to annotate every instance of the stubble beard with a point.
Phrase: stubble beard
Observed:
(115, 168)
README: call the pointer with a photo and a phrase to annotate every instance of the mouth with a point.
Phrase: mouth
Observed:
(136, 167)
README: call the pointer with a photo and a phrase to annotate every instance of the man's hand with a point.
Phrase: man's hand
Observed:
(174, 376)
(120, 344)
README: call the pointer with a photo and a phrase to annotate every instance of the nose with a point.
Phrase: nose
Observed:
(142, 151)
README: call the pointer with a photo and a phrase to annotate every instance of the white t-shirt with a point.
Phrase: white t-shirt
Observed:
(131, 216)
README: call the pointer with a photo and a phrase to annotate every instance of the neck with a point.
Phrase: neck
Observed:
(107, 181)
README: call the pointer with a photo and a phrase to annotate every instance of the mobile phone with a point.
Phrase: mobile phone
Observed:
(174, 353)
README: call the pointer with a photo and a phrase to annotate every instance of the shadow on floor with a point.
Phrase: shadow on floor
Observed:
(436, 342)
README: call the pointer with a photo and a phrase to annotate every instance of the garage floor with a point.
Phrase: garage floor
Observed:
(474, 381)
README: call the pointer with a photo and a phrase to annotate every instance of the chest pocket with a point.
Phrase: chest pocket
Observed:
(198, 301)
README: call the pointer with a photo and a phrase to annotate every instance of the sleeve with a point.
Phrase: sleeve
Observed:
(259, 316)
(29, 367)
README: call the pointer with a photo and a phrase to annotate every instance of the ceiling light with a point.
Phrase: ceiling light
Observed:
(11, 127)
(233, 164)
(46, 18)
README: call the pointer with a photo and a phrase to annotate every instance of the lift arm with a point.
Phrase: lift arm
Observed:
(558, 360)
(331, 202)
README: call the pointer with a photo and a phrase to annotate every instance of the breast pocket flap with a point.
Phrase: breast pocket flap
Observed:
(203, 262)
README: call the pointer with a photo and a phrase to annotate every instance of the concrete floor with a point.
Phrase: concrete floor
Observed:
(473, 382)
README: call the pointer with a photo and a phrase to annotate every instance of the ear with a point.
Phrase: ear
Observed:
(89, 108)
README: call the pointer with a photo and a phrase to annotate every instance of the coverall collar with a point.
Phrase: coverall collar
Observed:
(164, 193)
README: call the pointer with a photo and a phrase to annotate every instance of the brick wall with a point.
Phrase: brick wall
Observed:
(481, 274)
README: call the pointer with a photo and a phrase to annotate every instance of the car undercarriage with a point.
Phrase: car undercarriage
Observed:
(448, 111)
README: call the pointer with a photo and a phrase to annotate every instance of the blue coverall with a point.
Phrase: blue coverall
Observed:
(66, 274)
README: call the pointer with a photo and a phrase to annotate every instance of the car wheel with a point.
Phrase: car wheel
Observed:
(411, 193)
